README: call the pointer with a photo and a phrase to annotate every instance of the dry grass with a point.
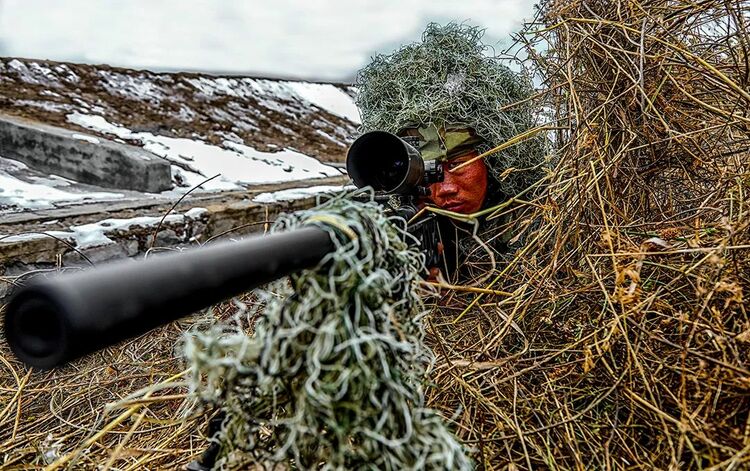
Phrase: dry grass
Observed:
(625, 342)
(126, 407)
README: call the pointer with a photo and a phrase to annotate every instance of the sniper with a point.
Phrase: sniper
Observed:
(455, 101)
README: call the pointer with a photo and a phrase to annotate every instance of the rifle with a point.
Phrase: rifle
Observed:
(51, 321)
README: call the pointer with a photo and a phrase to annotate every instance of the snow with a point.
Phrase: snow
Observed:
(330, 138)
(299, 193)
(26, 195)
(273, 94)
(51, 180)
(45, 105)
(9, 239)
(125, 85)
(84, 137)
(328, 97)
(15, 64)
(95, 234)
(196, 160)
(195, 213)
(10, 164)
(98, 123)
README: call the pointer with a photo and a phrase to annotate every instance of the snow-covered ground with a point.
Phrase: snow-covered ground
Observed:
(95, 234)
(292, 194)
(195, 160)
(35, 192)
(222, 133)
(274, 92)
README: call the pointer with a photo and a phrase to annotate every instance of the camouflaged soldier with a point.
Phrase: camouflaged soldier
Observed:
(462, 190)
(457, 102)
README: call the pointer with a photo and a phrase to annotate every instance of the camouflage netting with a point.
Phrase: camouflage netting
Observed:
(447, 80)
(332, 377)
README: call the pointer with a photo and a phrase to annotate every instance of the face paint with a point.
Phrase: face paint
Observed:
(462, 191)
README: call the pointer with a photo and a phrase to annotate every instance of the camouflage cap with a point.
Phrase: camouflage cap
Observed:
(442, 143)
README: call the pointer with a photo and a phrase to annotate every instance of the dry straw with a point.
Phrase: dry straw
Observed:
(625, 342)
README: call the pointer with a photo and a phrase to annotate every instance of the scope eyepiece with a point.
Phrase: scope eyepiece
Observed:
(385, 162)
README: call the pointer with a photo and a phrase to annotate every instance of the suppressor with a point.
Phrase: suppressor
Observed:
(51, 321)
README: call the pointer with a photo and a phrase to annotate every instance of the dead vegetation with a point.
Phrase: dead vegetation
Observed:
(125, 406)
(624, 343)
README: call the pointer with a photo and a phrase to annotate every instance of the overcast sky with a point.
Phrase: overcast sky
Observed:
(311, 39)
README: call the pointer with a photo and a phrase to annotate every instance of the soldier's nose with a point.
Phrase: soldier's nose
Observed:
(445, 188)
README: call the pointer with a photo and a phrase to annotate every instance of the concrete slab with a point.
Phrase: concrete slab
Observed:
(84, 158)
(41, 241)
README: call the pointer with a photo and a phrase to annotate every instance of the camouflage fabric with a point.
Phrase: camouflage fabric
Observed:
(450, 79)
(442, 143)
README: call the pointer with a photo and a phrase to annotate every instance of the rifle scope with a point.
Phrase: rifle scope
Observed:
(389, 164)
(54, 320)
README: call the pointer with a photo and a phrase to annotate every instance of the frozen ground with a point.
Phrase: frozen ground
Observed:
(194, 160)
(317, 120)
(243, 131)
(292, 194)
(95, 234)
(24, 189)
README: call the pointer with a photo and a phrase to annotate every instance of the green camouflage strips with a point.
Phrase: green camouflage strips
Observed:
(450, 80)
(442, 143)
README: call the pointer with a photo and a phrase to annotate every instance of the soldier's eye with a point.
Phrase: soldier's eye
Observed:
(455, 163)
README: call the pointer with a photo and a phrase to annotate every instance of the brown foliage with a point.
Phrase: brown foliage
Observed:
(625, 342)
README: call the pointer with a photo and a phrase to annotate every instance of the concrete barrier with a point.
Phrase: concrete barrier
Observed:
(86, 159)
(41, 251)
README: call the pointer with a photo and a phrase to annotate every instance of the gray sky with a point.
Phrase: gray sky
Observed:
(313, 39)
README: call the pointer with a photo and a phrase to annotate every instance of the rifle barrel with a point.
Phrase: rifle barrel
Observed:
(54, 320)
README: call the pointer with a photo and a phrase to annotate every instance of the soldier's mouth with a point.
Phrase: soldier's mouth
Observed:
(454, 206)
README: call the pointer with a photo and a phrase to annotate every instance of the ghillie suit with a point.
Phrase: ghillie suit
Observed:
(447, 83)
(449, 94)
(332, 377)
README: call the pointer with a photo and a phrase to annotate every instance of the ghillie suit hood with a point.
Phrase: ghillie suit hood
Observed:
(445, 84)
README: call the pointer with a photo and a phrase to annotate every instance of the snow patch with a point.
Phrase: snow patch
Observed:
(51, 180)
(84, 137)
(330, 138)
(26, 195)
(197, 160)
(328, 97)
(299, 193)
(276, 95)
(46, 105)
(139, 88)
(95, 234)
(195, 213)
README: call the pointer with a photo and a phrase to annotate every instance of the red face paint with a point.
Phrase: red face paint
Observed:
(462, 191)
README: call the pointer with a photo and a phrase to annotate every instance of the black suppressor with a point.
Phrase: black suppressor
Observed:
(54, 320)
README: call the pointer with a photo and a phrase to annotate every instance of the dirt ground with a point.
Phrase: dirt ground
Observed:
(185, 105)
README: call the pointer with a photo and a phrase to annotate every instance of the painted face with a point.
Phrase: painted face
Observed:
(462, 191)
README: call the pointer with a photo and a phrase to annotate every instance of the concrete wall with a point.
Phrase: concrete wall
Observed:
(95, 161)
(38, 255)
